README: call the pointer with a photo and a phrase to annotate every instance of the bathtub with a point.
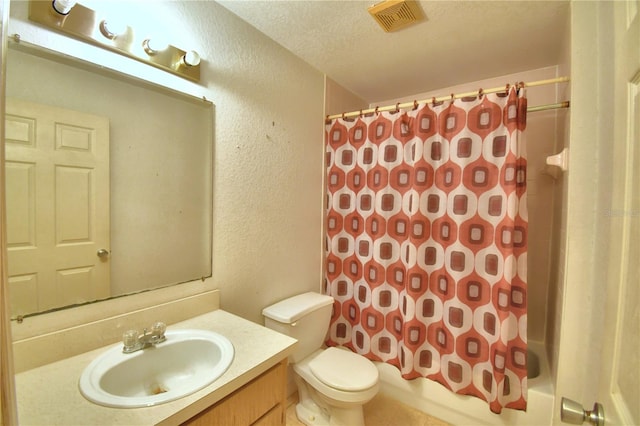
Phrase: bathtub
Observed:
(435, 400)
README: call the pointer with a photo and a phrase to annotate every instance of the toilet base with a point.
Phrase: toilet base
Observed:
(314, 410)
(316, 416)
(311, 416)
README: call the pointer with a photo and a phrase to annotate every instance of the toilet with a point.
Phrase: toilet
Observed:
(333, 383)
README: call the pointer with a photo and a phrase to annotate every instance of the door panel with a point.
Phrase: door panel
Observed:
(73, 205)
(620, 371)
(625, 381)
(57, 167)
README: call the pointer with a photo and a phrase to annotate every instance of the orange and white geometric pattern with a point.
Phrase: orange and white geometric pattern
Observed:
(426, 243)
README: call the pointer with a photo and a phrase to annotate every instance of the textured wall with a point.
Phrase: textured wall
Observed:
(337, 99)
(268, 165)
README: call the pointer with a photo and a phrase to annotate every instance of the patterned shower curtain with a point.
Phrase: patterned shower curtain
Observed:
(426, 243)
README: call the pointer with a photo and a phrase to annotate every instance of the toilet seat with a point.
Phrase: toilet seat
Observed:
(344, 370)
(337, 397)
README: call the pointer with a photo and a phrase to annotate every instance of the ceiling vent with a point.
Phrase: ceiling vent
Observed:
(393, 15)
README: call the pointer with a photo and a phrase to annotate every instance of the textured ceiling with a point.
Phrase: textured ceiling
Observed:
(459, 41)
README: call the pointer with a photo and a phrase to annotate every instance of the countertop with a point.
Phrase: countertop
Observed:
(49, 395)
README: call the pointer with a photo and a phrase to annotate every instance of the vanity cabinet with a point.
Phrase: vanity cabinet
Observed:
(262, 401)
(252, 390)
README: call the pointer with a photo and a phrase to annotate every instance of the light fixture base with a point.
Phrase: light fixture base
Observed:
(84, 23)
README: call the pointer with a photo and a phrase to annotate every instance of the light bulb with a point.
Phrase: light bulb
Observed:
(191, 58)
(63, 7)
(112, 28)
(154, 45)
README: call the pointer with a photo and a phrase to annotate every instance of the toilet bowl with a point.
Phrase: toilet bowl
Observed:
(333, 383)
(336, 383)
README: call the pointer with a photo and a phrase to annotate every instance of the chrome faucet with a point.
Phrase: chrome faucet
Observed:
(134, 342)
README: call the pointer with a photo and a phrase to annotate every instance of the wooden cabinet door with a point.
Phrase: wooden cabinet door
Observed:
(262, 402)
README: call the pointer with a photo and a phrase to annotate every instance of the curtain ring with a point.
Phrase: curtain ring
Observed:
(376, 111)
(480, 93)
(452, 97)
(327, 120)
(343, 115)
(398, 107)
(433, 101)
(507, 87)
(415, 105)
(360, 113)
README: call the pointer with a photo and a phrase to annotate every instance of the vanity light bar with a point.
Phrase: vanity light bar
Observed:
(84, 23)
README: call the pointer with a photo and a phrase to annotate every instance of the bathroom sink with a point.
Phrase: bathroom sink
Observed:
(187, 361)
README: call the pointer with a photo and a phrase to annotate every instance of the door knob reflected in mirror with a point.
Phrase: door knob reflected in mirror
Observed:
(103, 253)
(572, 412)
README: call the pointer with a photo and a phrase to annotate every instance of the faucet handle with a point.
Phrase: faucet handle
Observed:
(130, 339)
(158, 329)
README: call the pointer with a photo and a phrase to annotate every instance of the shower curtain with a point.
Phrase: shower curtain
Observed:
(426, 242)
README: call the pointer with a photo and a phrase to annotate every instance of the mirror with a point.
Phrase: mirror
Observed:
(109, 183)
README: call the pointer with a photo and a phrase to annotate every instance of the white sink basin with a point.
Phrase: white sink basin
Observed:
(186, 362)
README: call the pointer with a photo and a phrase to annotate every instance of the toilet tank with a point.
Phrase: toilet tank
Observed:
(304, 317)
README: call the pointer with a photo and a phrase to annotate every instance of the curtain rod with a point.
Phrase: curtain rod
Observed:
(413, 104)
(559, 105)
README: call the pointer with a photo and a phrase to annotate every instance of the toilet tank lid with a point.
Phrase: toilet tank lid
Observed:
(292, 309)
